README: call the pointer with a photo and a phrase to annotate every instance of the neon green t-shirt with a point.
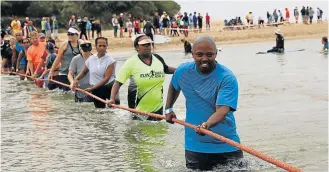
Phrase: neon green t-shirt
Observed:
(43, 25)
(149, 81)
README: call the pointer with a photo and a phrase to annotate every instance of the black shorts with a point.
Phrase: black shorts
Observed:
(208, 161)
(158, 112)
(8, 63)
(82, 99)
(104, 92)
(195, 25)
(261, 22)
(59, 78)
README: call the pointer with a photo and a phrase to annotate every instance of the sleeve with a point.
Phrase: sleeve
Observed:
(88, 62)
(176, 76)
(29, 54)
(165, 66)
(228, 93)
(73, 65)
(125, 72)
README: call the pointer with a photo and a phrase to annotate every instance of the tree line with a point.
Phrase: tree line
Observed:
(63, 10)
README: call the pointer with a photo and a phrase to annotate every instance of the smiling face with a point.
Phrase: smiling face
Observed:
(204, 54)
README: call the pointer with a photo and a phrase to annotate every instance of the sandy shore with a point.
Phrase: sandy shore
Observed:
(293, 31)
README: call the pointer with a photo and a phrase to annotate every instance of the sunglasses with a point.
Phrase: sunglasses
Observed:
(70, 34)
(26, 42)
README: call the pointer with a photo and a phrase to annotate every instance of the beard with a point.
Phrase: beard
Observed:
(206, 67)
(146, 55)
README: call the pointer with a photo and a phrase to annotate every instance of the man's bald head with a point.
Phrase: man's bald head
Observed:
(204, 38)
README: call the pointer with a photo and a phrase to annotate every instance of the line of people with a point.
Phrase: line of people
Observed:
(210, 89)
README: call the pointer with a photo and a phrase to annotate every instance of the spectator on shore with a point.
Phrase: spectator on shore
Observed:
(311, 13)
(296, 14)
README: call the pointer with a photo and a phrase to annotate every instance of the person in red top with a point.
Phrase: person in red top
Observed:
(287, 15)
(207, 22)
(137, 26)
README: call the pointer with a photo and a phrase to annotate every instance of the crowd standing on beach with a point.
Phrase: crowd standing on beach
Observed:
(163, 24)
(277, 17)
(210, 89)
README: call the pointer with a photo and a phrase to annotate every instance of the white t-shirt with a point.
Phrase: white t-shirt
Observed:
(97, 68)
(129, 25)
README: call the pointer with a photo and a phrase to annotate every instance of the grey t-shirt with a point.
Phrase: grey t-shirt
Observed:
(69, 53)
(76, 66)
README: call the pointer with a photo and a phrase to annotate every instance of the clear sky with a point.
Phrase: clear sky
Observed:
(229, 9)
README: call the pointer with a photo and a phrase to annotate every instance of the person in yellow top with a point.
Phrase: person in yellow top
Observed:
(148, 71)
(16, 25)
(249, 18)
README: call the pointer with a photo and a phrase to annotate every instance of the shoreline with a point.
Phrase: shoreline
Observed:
(266, 34)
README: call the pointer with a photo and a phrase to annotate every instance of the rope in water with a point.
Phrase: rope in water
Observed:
(249, 150)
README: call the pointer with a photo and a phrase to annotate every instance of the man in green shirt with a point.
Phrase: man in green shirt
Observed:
(148, 71)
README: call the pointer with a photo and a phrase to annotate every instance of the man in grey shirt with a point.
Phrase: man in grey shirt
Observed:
(76, 66)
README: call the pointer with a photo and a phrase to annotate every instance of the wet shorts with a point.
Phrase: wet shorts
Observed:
(208, 161)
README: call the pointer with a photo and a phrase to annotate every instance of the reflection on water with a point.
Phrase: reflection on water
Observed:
(39, 108)
(282, 112)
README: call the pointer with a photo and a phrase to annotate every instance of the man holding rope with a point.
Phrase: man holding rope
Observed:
(211, 92)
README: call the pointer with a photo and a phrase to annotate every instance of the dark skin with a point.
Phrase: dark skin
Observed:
(144, 52)
(204, 55)
(101, 50)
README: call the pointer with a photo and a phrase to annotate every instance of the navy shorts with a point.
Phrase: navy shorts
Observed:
(208, 161)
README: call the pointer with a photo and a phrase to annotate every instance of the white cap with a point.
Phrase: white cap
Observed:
(121, 14)
(72, 30)
(278, 32)
(145, 41)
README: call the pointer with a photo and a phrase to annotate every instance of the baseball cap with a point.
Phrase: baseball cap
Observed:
(278, 32)
(72, 30)
(145, 41)
(86, 46)
(42, 35)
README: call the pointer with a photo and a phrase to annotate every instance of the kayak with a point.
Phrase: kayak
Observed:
(286, 51)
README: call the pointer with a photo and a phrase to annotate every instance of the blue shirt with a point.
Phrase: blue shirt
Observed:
(202, 94)
(20, 48)
(195, 19)
(325, 47)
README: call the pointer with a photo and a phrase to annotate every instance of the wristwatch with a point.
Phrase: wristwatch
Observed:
(168, 110)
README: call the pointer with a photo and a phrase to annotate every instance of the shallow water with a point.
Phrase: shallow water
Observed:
(282, 112)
